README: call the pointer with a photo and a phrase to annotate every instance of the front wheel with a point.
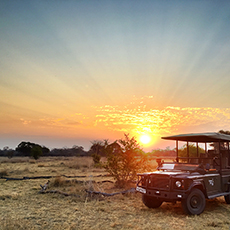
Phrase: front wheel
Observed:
(151, 202)
(195, 203)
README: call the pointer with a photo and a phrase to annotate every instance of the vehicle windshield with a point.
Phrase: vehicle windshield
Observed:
(178, 167)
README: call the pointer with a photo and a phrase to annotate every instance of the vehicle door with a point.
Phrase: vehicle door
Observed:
(212, 184)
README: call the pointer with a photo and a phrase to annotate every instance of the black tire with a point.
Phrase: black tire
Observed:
(227, 199)
(195, 203)
(151, 202)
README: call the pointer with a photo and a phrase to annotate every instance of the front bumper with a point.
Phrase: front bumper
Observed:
(161, 194)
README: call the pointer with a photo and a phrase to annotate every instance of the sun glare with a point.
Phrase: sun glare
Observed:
(145, 139)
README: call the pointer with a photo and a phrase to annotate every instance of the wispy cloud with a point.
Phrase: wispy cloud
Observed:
(136, 117)
(66, 122)
(139, 117)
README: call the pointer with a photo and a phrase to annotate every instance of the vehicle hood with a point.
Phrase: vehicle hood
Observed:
(169, 173)
(178, 174)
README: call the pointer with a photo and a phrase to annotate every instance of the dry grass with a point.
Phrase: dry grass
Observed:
(22, 207)
(3, 172)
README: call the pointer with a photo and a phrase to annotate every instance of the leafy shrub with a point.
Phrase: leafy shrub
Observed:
(96, 158)
(124, 159)
(36, 152)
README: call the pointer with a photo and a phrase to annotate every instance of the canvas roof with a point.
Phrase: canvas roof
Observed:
(200, 137)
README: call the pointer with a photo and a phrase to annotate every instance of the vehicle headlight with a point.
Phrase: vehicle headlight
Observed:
(178, 184)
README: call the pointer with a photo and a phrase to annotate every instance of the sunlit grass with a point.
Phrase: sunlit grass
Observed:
(22, 207)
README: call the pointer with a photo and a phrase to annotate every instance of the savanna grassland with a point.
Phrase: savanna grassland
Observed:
(22, 206)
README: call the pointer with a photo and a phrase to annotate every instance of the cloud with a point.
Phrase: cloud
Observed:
(139, 117)
(64, 122)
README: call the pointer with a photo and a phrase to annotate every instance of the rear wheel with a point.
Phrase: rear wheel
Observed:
(195, 203)
(151, 202)
(227, 199)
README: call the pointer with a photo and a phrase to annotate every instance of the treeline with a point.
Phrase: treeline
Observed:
(163, 152)
(29, 149)
(97, 149)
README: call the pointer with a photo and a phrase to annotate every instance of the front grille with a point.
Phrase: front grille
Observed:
(159, 182)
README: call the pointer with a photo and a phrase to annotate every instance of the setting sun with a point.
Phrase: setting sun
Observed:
(103, 85)
(145, 139)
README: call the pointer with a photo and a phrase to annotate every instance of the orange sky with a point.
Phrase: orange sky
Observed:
(77, 71)
(112, 121)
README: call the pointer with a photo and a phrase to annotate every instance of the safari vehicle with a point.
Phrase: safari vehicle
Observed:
(190, 179)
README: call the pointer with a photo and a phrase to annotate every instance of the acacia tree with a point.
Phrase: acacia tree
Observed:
(36, 152)
(32, 149)
(124, 159)
(98, 149)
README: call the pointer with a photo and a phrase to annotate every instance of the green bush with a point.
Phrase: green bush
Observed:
(96, 158)
(124, 160)
(36, 152)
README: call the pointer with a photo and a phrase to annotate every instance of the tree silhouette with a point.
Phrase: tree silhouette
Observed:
(124, 158)
(192, 150)
(32, 149)
(36, 152)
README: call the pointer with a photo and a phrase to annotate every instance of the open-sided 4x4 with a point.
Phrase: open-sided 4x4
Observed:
(190, 180)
